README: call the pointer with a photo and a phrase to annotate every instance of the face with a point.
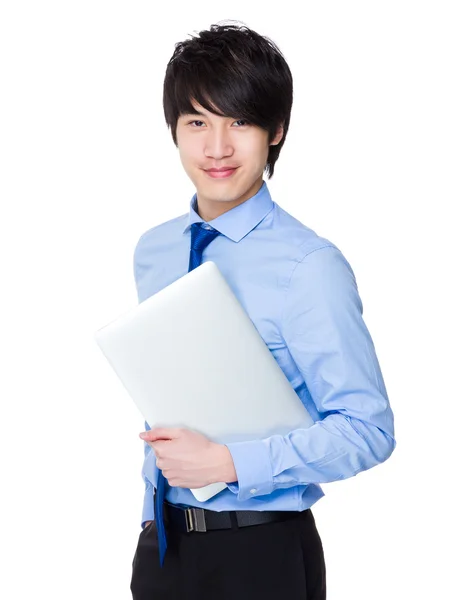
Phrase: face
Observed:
(207, 141)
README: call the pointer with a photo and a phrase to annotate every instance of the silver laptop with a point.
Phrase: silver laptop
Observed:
(190, 356)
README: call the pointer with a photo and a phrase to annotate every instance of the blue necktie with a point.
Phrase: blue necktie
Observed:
(200, 238)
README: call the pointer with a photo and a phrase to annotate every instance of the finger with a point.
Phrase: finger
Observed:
(150, 436)
(159, 447)
(162, 433)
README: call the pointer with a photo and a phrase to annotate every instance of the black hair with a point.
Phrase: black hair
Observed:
(232, 71)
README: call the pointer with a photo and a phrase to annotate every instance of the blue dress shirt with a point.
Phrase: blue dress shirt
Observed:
(301, 294)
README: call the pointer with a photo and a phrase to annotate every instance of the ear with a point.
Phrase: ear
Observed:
(278, 136)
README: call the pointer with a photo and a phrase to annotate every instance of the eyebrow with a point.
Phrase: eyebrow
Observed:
(194, 112)
(201, 114)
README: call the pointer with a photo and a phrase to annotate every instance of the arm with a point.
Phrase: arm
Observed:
(323, 328)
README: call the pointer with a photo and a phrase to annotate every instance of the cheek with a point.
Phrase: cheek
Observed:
(189, 151)
(254, 149)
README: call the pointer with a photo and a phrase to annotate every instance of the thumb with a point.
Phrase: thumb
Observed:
(160, 433)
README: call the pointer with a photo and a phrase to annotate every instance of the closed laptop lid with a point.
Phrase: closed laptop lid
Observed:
(190, 356)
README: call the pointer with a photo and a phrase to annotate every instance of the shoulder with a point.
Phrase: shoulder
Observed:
(159, 234)
(318, 265)
(304, 241)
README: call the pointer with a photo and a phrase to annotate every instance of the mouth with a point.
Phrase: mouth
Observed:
(223, 173)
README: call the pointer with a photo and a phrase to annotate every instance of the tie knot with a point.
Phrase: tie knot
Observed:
(201, 236)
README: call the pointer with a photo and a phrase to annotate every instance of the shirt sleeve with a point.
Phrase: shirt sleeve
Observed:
(323, 328)
(148, 499)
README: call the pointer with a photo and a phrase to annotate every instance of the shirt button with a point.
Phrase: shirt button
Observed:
(205, 226)
(253, 491)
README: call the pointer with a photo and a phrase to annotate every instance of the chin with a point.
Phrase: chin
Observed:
(217, 197)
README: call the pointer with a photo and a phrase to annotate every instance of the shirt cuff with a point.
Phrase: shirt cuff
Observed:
(253, 468)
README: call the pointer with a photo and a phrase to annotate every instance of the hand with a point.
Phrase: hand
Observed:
(188, 459)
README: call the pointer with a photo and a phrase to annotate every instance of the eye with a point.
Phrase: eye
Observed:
(196, 122)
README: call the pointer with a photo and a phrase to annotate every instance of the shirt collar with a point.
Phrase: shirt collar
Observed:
(240, 220)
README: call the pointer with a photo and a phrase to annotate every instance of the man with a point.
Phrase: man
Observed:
(227, 99)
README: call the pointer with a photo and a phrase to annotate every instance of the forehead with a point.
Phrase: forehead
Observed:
(199, 110)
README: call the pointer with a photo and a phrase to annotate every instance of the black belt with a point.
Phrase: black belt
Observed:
(190, 519)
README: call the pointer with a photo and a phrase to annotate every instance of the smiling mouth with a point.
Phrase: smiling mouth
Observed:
(224, 174)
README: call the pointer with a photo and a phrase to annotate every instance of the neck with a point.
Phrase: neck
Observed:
(211, 209)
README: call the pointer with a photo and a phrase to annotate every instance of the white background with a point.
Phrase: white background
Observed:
(87, 165)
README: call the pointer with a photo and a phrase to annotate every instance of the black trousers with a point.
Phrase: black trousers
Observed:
(283, 559)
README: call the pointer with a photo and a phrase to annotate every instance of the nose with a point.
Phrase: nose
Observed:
(218, 144)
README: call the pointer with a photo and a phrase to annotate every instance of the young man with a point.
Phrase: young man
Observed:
(227, 99)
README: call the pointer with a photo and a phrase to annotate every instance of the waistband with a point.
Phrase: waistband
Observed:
(189, 519)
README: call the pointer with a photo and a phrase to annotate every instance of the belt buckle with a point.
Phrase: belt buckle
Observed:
(195, 519)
